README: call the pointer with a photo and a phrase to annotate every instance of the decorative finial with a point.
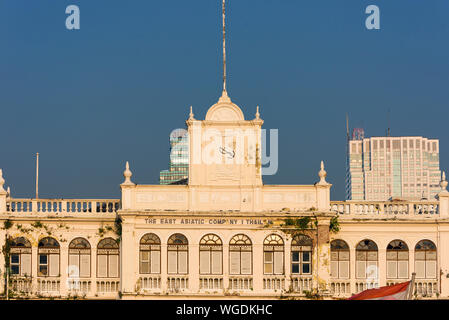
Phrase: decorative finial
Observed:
(127, 174)
(257, 113)
(2, 181)
(8, 191)
(191, 115)
(443, 182)
(322, 174)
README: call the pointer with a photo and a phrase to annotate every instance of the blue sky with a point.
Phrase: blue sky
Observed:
(90, 99)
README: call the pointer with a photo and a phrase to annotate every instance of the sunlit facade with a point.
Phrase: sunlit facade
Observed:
(381, 168)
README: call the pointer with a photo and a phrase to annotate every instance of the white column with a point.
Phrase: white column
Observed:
(225, 266)
(287, 261)
(258, 265)
(382, 266)
(352, 267)
(194, 268)
(34, 268)
(63, 264)
(93, 270)
(128, 256)
(164, 286)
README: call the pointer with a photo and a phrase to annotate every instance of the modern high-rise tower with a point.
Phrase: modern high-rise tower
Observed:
(178, 171)
(382, 168)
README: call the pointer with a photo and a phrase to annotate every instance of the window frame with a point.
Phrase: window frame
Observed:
(271, 244)
(184, 245)
(73, 250)
(396, 248)
(344, 247)
(424, 243)
(300, 244)
(48, 250)
(108, 251)
(211, 243)
(20, 246)
(366, 249)
(154, 244)
(241, 241)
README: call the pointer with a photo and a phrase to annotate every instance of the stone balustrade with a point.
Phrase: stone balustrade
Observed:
(387, 209)
(211, 283)
(274, 283)
(299, 284)
(149, 283)
(62, 205)
(240, 283)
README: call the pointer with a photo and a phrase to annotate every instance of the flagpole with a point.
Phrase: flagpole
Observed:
(411, 287)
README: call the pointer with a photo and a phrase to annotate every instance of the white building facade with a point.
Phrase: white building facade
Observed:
(224, 234)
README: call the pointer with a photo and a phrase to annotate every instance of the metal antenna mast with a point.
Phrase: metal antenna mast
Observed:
(224, 45)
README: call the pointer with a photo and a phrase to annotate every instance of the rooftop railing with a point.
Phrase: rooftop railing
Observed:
(62, 205)
(427, 208)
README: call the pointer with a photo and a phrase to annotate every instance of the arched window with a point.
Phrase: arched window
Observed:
(426, 260)
(240, 255)
(211, 255)
(273, 255)
(79, 258)
(20, 257)
(150, 254)
(48, 258)
(366, 259)
(178, 254)
(108, 258)
(339, 259)
(301, 254)
(397, 260)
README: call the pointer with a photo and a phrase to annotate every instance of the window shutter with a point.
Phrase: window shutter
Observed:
(85, 266)
(334, 255)
(155, 262)
(403, 269)
(431, 267)
(279, 262)
(113, 266)
(183, 267)
(235, 262)
(74, 266)
(217, 263)
(102, 266)
(54, 265)
(246, 262)
(25, 264)
(334, 269)
(344, 255)
(172, 261)
(372, 271)
(392, 270)
(361, 269)
(205, 262)
(144, 262)
(344, 270)
(420, 269)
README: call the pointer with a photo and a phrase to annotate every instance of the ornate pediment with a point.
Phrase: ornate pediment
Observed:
(224, 110)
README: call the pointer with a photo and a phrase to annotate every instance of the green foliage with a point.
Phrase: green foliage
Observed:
(334, 225)
(37, 224)
(7, 224)
(101, 231)
(298, 223)
(311, 295)
(118, 228)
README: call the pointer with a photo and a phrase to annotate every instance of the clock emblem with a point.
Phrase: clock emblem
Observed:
(230, 154)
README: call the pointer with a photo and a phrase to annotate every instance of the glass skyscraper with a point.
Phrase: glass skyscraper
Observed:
(382, 168)
(178, 171)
